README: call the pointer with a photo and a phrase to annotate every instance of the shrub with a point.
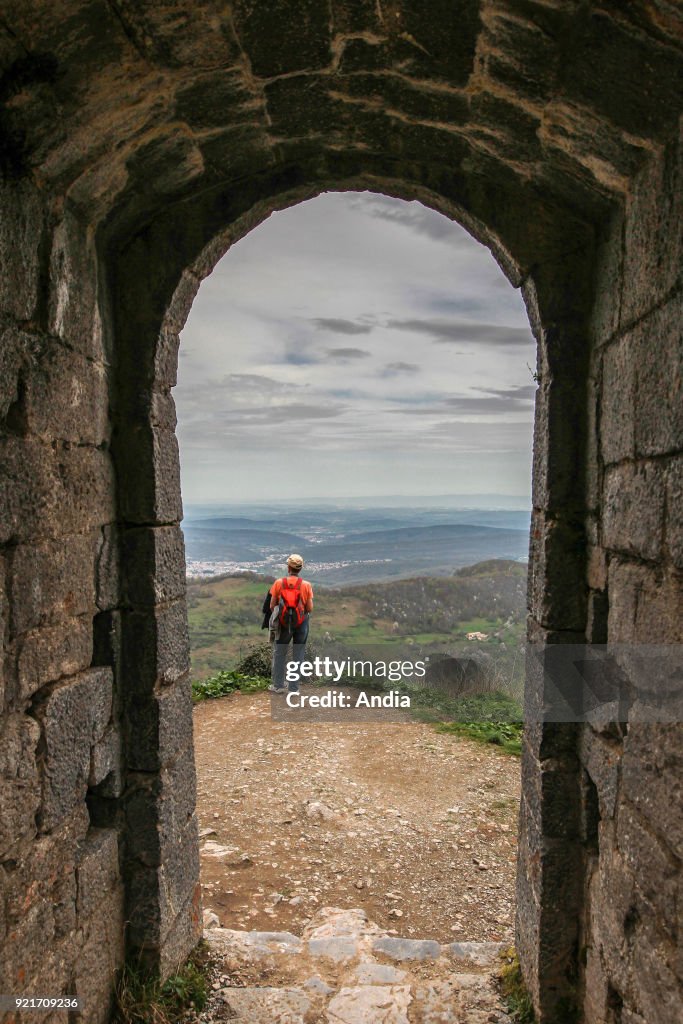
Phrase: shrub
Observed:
(258, 661)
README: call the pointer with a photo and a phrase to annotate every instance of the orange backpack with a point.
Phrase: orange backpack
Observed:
(291, 606)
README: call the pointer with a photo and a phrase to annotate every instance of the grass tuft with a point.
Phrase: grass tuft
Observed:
(514, 991)
(506, 735)
(142, 998)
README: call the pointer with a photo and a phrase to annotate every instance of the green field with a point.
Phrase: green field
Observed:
(434, 614)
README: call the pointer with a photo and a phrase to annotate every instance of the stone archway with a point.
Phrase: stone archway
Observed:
(139, 142)
(152, 507)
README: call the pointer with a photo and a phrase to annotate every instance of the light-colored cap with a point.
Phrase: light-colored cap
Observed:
(295, 562)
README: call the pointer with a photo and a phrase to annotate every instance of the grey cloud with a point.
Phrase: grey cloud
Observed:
(446, 305)
(521, 393)
(298, 357)
(400, 367)
(217, 422)
(254, 382)
(497, 400)
(458, 331)
(485, 406)
(339, 326)
(412, 215)
(345, 355)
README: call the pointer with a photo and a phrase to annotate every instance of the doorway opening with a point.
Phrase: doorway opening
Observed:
(356, 384)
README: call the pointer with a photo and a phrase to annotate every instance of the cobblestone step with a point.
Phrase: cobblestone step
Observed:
(345, 970)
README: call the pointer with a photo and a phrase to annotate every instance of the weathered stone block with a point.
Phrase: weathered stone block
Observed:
(155, 647)
(159, 727)
(303, 37)
(653, 254)
(602, 759)
(658, 359)
(548, 883)
(73, 313)
(162, 410)
(216, 99)
(100, 920)
(157, 896)
(613, 902)
(106, 764)
(593, 463)
(153, 564)
(30, 490)
(101, 955)
(606, 312)
(656, 984)
(633, 509)
(150, 496)
(47, 492)
(557, 588)
(551, 792)
(107, 575)
(74, 716)
(674, 511)
(18, 349)
(43, 655)
(652, 773)
(19, 780)
(595, 1006)
(21, 240)
(50, 581)
(67, 397)
(97, 871)
(644, 604)
(596, 567)
(618, 410)
(655, 871)
(184, 933)
(159, 807)
(166, 356)
(41, 893)
(4, 627)
(88, 496)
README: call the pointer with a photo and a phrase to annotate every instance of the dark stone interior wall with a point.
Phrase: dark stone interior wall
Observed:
(633, 929)
(61, 895)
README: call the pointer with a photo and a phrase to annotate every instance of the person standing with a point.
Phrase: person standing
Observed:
(294, 598)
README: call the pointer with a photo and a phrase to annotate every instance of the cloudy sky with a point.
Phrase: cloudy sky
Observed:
(355, 345)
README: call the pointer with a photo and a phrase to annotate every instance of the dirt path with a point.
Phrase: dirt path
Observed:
(415, 827)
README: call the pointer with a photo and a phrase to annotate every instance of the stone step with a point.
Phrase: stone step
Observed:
(345, 970)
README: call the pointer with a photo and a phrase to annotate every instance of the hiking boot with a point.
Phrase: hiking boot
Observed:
(276, 689)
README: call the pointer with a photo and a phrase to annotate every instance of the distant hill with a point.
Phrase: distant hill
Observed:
(350, 546)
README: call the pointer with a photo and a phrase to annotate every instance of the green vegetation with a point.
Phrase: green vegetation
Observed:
(223, 683)
(506, 735)
(513, 989)
(486, 717)
(142, 998)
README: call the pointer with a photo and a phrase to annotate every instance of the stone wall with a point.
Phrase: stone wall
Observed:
(61, 895)
(632, 931)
